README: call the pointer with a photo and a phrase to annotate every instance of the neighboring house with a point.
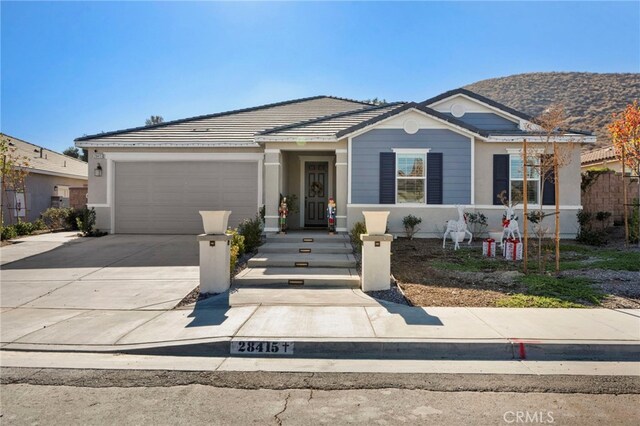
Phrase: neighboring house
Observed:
(48, 184)
(409, 158)
(601, 158)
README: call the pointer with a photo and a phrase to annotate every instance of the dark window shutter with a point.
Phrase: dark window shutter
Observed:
(500, 176)
(434, 178)
(387, 178)
(549, 188)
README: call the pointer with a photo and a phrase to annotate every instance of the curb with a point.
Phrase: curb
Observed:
(482, 350)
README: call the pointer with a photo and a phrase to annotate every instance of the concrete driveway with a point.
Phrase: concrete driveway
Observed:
(115, 272)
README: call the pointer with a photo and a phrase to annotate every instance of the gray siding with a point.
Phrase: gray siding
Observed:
(365, 161)
(487, 121)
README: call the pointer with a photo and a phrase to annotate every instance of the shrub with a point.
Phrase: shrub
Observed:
(251, 230)
(86, 221)
(234, 251)
(72, 218)
(9, 232)
(410, 224)
(477, 223)
(358, 229)
(56, 218)
(237, 240)
(24, 228)
(39, 225)
(586, 233)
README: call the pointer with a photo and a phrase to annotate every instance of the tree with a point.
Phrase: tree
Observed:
(72, 151)
(13, 170)
(375, 101)
(154, 119)
(547, 161)
(625, 134)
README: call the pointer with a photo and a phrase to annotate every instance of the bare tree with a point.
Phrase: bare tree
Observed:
(13, 171)
(154, 119)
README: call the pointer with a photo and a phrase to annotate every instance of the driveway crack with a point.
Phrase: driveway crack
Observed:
(286, 403)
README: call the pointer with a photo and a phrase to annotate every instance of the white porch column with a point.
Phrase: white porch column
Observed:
(342, 182)
(272, 170)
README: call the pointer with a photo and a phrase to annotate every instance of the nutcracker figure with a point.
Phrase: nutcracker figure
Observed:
(283, 212)
(331, 215)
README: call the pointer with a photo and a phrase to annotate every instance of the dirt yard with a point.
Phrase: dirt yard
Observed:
(591, 277)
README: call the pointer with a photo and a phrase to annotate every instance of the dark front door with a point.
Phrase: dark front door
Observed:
(315, 200)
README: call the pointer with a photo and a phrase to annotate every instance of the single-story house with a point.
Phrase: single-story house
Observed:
(602, 158)
(51, 176)
(458, 148)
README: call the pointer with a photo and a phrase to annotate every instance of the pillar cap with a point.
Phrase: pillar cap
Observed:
(214, 237)
(383, 237)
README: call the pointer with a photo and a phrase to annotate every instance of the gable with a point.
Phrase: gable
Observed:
(477, 114)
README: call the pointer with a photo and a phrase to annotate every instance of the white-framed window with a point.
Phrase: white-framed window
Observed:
(516, 179)
(411, 176)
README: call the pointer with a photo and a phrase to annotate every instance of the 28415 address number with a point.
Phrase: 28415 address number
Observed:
(258, 347)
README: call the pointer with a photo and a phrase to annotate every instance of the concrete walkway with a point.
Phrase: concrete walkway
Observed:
(331, 323)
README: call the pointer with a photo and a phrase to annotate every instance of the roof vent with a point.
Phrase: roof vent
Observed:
(458, 110)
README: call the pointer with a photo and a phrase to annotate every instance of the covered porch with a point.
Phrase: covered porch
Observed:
(308, 174)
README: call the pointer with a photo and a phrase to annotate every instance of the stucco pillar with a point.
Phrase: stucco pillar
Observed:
(215, 258)
(376, 262)
(272, 170)
(342, 182)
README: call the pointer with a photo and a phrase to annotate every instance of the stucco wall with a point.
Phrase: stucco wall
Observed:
(39, 189)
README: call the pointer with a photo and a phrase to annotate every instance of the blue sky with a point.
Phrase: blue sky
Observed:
(77, 68)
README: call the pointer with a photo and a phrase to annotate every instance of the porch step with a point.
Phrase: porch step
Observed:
(307, 238)
(300, 247)
(299, 260)
(325, 277)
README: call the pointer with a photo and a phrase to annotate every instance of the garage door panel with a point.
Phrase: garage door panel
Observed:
(166, 197)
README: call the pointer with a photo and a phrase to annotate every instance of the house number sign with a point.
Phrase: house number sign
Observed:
(259, 347)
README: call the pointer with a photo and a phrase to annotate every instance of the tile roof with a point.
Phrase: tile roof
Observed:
(232, 128)
(598, 154)
(50, 162)
(329, 126)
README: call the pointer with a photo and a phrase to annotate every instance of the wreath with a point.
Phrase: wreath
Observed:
(316, 187)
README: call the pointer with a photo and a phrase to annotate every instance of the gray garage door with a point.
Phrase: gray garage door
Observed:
(165, 197)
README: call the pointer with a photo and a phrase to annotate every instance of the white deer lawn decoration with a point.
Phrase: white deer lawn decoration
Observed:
(510, 225)
(456, 226)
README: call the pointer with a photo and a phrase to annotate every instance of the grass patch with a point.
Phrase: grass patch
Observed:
(618, 260)
(528, 301)
(544, 291)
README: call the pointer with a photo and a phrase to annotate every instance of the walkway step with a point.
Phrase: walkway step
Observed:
(331, 248)
(307, 238)
(328, 277)
(299, 260)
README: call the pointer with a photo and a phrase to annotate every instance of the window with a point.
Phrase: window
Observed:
(410, 176)
(516, 181)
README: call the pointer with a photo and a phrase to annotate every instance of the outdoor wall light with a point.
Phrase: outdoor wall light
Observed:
(98, 170)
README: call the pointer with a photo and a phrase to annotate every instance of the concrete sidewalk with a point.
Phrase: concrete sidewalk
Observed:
(330, 323)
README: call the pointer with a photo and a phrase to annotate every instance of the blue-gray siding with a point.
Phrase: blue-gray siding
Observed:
(487, 121)
(365, 161)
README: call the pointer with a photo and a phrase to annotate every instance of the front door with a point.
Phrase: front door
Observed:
(315, 200)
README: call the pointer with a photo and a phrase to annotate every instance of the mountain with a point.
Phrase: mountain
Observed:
(589, 98)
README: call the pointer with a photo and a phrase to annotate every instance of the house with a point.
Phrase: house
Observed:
(602, 158)
(51, 177)
(410, 158)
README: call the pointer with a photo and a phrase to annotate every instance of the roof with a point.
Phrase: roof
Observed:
(329, 126)
(46, 161)
(478, 97)
(598, 154)
(237, 127)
